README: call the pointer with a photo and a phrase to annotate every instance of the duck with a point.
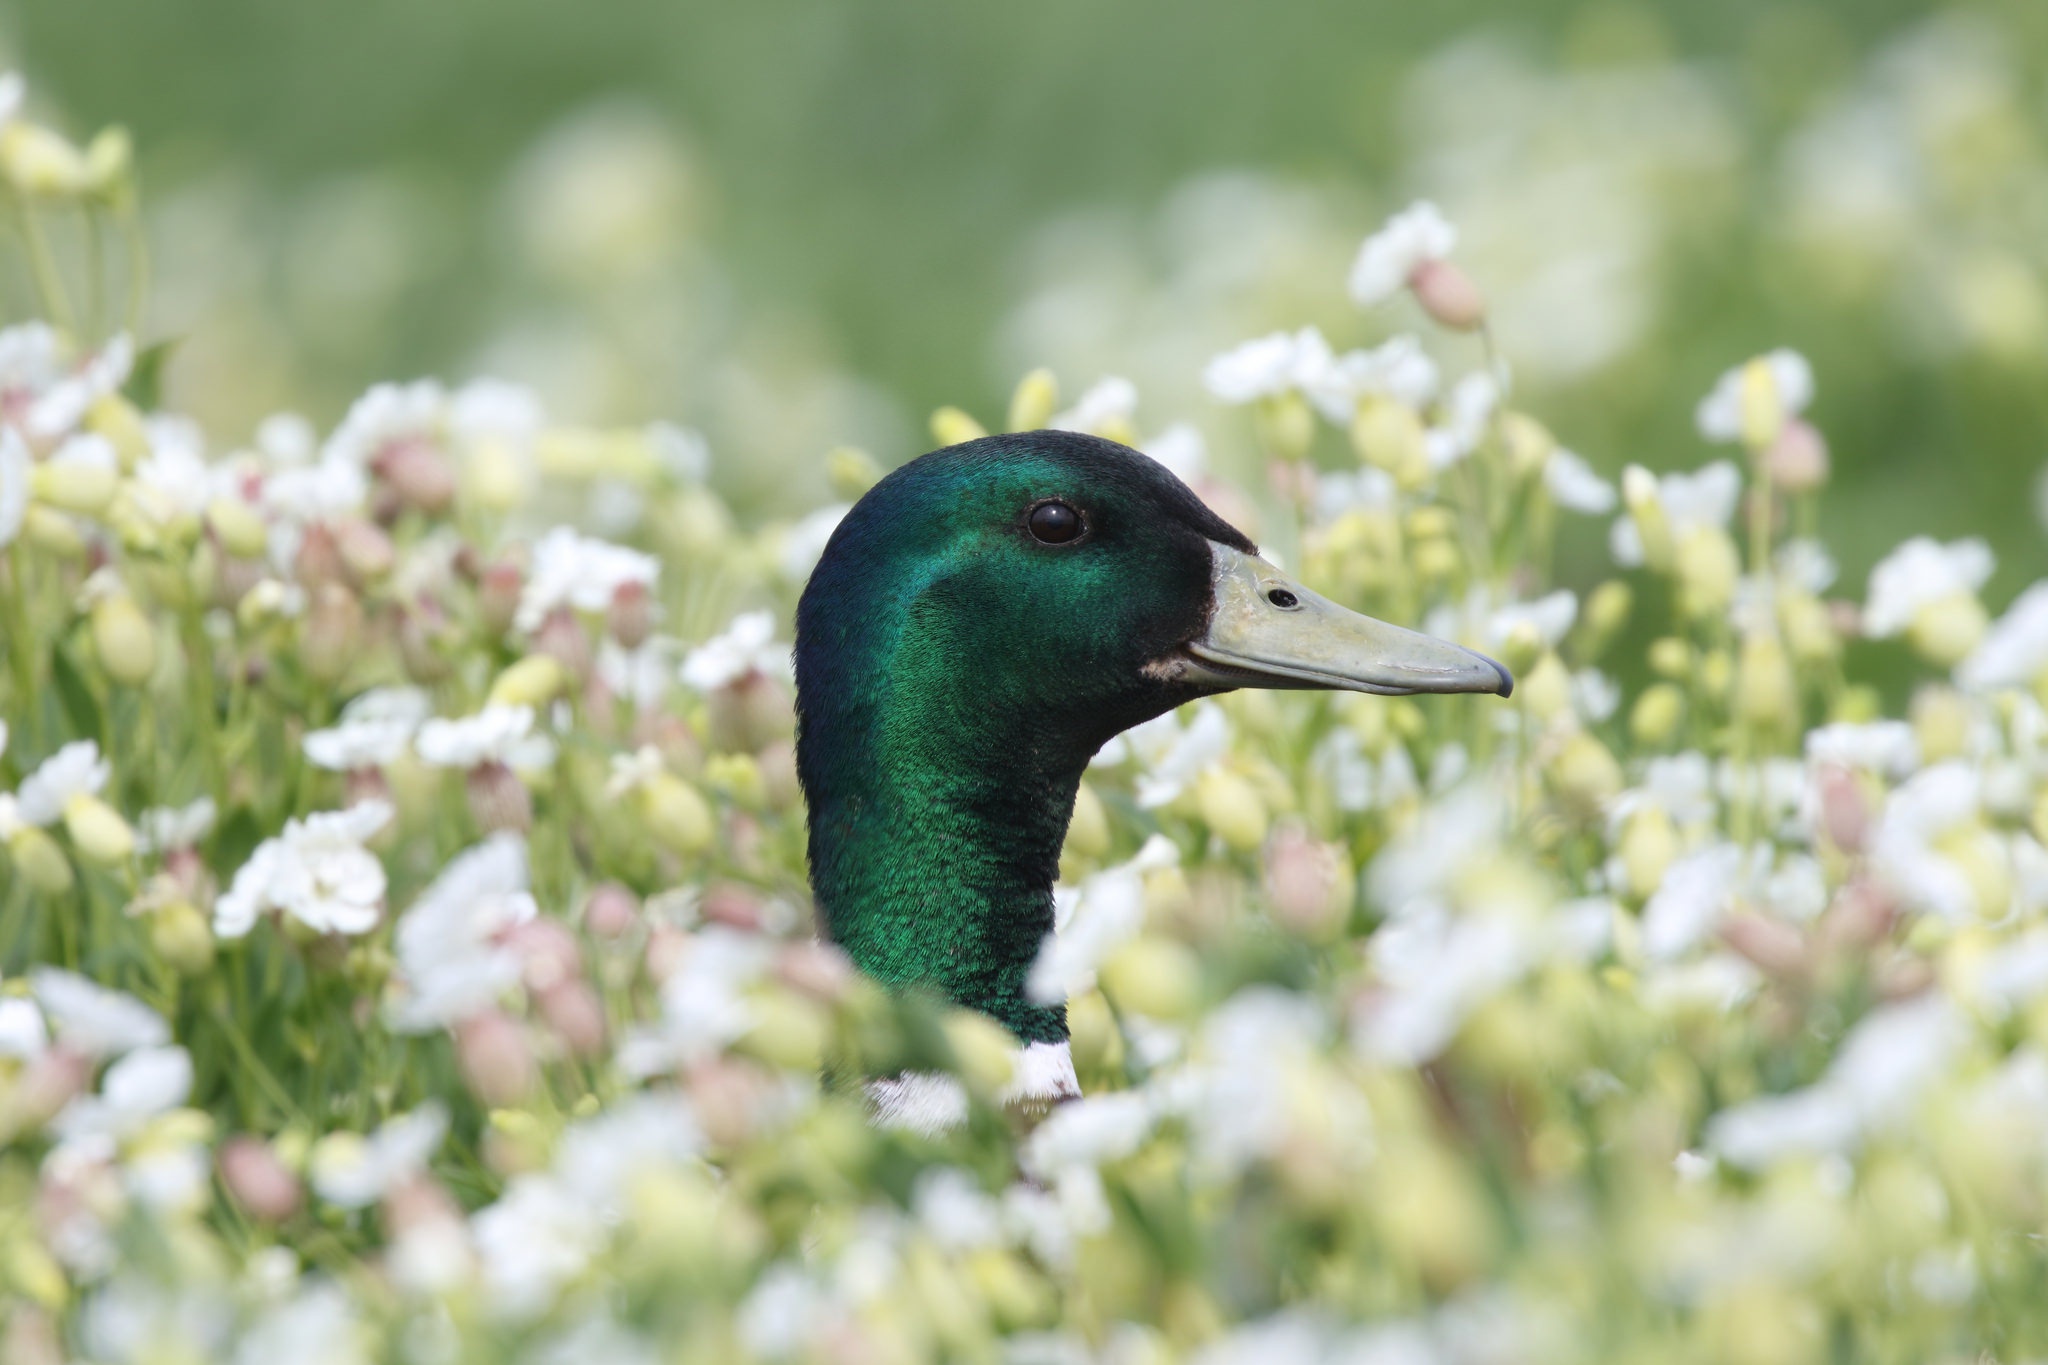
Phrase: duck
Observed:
(980, 623)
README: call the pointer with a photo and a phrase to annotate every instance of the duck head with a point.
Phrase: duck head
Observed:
(980, 623)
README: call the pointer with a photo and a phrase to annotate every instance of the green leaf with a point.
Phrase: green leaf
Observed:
(237, 838)
(145, 386)
(81, 709)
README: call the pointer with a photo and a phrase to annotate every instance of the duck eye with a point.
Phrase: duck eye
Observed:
(1283, 599)
(1054, 523)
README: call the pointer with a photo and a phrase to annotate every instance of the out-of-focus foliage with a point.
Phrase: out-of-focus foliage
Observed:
(406, 946)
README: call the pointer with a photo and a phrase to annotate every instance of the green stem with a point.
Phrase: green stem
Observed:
(43, 262)
(138, 267)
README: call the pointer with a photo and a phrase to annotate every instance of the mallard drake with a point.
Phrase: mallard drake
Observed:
(981, 622)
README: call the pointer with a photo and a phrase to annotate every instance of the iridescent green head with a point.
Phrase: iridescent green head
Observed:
(982, 621)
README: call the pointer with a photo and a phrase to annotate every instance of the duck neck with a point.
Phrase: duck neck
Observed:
(935, 834)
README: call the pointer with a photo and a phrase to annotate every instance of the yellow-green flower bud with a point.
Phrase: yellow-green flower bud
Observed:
(240, 528)
(951, 426)
(1088, 831)
(35, 1273)
(1672, 657)
(1761, 408)
(1434, 560)
(739, 776)
(534, 681)
(52, 532)
(1649, 845)
(851, 471)
(40, 861)
(1981, 857)
(97, 830)
(1231, 807)
(675, 814)
(1653, 527)
(1856, 704)
(1037, 394)
(1766, 693)
(1389, 435)
(181, 937)
(984, 1054)
(1606, 612)
(1707, 566)
(74, 485)
(1657, 714)
(39, 162)
(1285, 424)
(1945, 631)
(1546, 689)
(1809, 633)
(1529, 443)
(1585, 773)
(124, 639)
(115, 418)
(1160, 978)
(108, 159)
(1941, 723)
(1717, 673)
(788, 1031)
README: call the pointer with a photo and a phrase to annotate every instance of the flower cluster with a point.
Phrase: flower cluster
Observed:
(408, 955)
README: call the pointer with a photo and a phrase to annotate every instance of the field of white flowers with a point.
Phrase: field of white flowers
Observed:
(408, 953)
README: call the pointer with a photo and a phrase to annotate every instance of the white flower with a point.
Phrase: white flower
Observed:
(684, 455)
(955, 1210)
(1574, 486)
(532, 1242)
(354, 1172)
(316, 1327)
(92, 1019)
(1397, 368)
(747, 646)
(1106, 911)
(172, 827)
(1437, 969)
(640, 676)
(1807, 565)
(1468, 408)
(583, 572)
(1180, 448)
(1549, 618)
(143, 1084)
(1417, 234)
(496, 734)
(325, 491)
(13, 91)
(73, 771)
(62, 405)
(1111, 403)
(317, 871)
(1087, 1132)
(2013, 654)
(600, 1159)
(1170, 755)
(385, 414)
(373, 730)
(1918, 574)
(14, 475)
(1705, 497)
(1909, 848)
(1363, 489)
(23, 1035)
(703, 1003)
(1719, 416)
(1689, 903)
(1269, 366)
(803, 544)
(1885, 747)
(451, 957)
(1884, 1065)
(1681, 785)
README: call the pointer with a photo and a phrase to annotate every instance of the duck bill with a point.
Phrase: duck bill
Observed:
(1270, 631)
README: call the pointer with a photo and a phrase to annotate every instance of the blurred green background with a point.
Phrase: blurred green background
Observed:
(794, 223)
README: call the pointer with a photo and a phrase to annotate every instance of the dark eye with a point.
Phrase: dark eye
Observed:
(1054, 523)
(1283, 599)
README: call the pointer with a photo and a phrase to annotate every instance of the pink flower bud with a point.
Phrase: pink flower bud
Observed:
(365, 784)
(727, 1095)
(1846, 618)
(418, 473)
(1447, 294)
(498, 591)
(778, 775)
(600, 708)
(679, 745)
(424, 640)
(737, 907)
(562, 637)
(547, 952)
(667, 949)
(1797, 461)
(611, 912)
(319, 558)
(1307, 883)
(574, 1012)
(819, 970)
(415, 1204)
(48, 1083)
(234, 579)
(1776, 948)
(498, 799)
(258, 1181)
(631, 617)
(365, 550)
(748, 713)
(1844, 810)
(189, 875)
(496, 1059)
(1861, 915)
(331, 636)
